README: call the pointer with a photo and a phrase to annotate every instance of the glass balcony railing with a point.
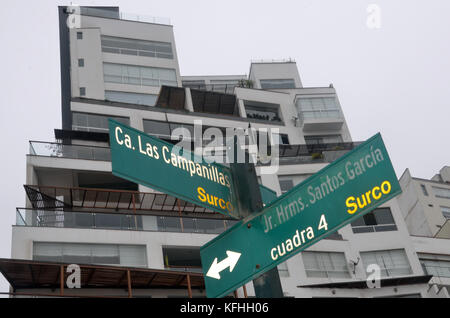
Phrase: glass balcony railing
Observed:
(50, 149)
(321, 114)
(119, 221)
(218, 88)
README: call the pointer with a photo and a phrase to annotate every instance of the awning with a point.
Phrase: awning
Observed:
(28, 274)
(48, 197)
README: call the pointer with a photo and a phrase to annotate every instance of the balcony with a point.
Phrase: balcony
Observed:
(318, 113)
(49, 197)
(114, 13)
(59, 150)
(218, 88)
(319, 120)
(314, 153)
(97, 219)
(88, 208)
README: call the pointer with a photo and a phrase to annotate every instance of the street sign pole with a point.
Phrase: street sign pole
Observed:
(249, 201)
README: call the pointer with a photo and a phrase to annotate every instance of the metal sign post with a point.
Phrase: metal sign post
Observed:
(249, 195)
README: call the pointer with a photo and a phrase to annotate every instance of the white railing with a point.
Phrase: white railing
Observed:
(103, 13)
(288, 60)
(144, 18)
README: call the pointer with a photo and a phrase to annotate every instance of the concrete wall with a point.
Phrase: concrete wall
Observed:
(91, 75)
(422, 212)
(283, 70)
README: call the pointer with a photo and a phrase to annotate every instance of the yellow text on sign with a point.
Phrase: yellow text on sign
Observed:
(214, 200)
(366, 198)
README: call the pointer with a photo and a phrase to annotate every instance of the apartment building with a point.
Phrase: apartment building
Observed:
(425, 204)
(132, 241)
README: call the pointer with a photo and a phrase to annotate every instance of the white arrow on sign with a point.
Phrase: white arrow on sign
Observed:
(230, 261)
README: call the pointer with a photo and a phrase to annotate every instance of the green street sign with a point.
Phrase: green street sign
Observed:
(157, 164)
(338, 194)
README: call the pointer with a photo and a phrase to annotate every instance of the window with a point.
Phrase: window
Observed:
(325, 264)
(445, 212)
(392, 262)
(283, 270)
(79, 35)
(82, 91)
(436, 265)
(194, 84)
(80, 62)
(441, 192)
(131, 98)
(262, 111)
(325, 139)
(179, 258)
(136, 47)
(138, 75)
(424, 189)
(86, 253)
(379, 220)
(286, 185)
(163, 129)
(157, 128)
(93, 122)
(277, 83)
(281, 139)
(318, 107)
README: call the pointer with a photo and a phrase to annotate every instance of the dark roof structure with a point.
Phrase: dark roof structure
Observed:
(29, 274)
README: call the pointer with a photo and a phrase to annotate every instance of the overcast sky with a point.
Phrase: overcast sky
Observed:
(393, 79)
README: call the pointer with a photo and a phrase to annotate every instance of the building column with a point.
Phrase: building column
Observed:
(188, 105)
(241, 108)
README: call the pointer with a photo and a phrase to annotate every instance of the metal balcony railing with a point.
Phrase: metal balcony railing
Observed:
(119, 221)
(287, 154)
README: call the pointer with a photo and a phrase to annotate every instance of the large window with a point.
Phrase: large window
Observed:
(131, 98)
(93, 122)
(286, 185)
(391, 262)
(262, 111)
(163, 129)
(325, 264)
(138, 75)
(441, 192)
(182, 258)
(436, 265)
(283, 270)
(117, 45)
(379, 220)
(318, 107)
(277, 83)
(85, 253)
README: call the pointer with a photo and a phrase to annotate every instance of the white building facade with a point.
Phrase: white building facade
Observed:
(78, 212)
